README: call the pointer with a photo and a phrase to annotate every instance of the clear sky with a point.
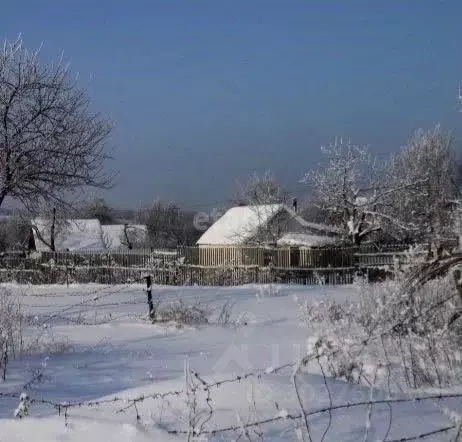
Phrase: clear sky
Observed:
(203, 92)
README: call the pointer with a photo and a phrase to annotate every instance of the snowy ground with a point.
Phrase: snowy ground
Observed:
(100, 346)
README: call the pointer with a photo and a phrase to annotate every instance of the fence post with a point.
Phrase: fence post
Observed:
(149, 293)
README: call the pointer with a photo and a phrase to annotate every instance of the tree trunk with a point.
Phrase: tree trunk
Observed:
(356, 237)
(129, 244)
(52, 231)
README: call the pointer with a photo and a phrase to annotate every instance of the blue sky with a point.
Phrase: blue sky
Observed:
(203, 92)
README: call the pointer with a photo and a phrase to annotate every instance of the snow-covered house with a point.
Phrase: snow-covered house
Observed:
(85, 234)
(71, 235)
(241, 235)
(260, 225)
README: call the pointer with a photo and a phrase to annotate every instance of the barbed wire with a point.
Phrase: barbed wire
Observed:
(284, 416)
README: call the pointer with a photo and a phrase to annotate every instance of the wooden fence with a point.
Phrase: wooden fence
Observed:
(237, 256)
(179, 275)
(91, 258)
(332, 257)
(203, 266)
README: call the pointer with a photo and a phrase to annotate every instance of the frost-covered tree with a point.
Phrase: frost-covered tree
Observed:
(354, 189)
(426, 208)
(259, 190)
(51, 143)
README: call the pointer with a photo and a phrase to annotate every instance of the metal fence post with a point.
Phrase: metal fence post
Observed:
(149, 293)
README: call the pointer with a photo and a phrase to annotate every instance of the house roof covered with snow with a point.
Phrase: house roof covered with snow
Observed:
(323, 229)
(114, 234)
(241, 223)
(71, 234)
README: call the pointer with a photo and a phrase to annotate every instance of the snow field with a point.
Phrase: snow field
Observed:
(104, 348)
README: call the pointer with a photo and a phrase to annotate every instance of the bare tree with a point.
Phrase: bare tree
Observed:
(260, 190)
(168, 226)
(354, 189)
(50, 222)
(51, 144)
(261, 194)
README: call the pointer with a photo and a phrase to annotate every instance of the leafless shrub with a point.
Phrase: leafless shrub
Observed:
(267, 290)
(224, 317)
(185, 314)
(11, 329)
(322, 311)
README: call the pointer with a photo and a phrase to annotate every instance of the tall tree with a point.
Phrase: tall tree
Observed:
(354, 189)
(51, 143)
(428, 160)
(168, 226)
(259, 190)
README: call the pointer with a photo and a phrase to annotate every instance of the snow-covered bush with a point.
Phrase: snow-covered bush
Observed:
(267, 291)
(224, 315)
(403, 329)
(23, 407)
(323, 311)
(413, 325)
(185, 314)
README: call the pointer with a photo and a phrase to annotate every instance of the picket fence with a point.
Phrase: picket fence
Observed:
(180, 275)
(181, 267)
